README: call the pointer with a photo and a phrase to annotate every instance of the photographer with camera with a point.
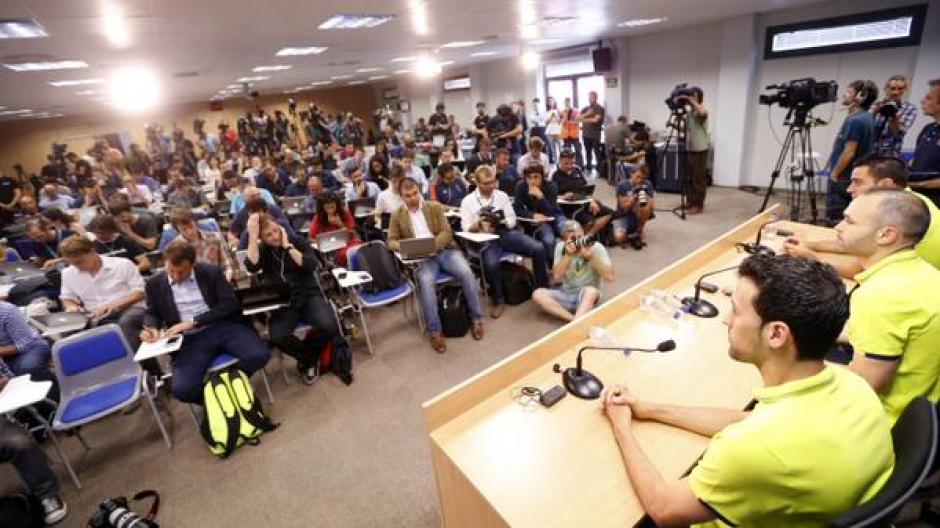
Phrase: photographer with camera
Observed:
(488, 210)
(893, 117)
(580, 263)
(505, 128)
(697, 143)
(854, 141)
(635, 205)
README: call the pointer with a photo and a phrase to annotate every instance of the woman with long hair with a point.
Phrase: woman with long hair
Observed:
(332, 215)
(378, 172)
(552, 128)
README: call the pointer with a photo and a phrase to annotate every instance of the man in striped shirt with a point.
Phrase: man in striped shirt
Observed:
(893, 117)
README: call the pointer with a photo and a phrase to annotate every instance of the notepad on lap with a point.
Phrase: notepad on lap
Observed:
(159, 347)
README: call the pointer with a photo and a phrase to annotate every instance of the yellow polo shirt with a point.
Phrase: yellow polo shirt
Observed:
(810, 450)
(895, 316)
(929, 246)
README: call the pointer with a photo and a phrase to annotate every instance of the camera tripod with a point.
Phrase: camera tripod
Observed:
(677, 133)
(798, 150)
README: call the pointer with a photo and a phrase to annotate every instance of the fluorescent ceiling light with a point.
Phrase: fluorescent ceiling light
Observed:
(419, 16)
(530, 60)
(427, 66)
(16, 29)
(234, 85)
(86, 92)
(403, 59)
(368, 70)
(76, 82)
(341, 77)
(544, 41)
(134, 89)
(894, 28)
(378, 77)
(50, 65)
(276, 67)
(15, 112)
(399, 72)
(354, 83)
(312, 50)
(447, 63)
(321, 83)
(483, 53)
(114, 27)
(529, 31)
(637, 22)
(348, 21)
(259, 78)
(463, 44)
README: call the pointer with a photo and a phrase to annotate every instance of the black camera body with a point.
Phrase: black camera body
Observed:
(675, 101)
(642, 198)
(115, 513)
(801, 94)
(888, 108)
(583, 241)
(495, 217)
(58, 152)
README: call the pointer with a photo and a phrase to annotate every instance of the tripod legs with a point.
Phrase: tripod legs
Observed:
(797, 149)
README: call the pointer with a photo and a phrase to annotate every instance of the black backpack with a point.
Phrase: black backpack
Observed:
(517, 283)
(452, 309)
(21, 511)
(375, 258)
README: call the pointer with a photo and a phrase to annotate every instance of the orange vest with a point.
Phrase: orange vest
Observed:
(570, 127)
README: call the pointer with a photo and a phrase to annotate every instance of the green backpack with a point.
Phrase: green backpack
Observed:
(233, 414)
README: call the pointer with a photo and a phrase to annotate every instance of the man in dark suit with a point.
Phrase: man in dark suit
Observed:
(196, 301)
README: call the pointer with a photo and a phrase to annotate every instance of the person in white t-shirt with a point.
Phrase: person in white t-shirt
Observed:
(389, 200)
(535, 156)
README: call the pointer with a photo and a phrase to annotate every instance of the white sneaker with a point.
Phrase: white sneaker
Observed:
(54, 509)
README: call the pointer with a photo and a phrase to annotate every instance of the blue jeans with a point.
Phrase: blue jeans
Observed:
(452, 261)
(191, 362)
(515, 242)
(28, 460)
(545, 233)
(33, 359)
(837, 199)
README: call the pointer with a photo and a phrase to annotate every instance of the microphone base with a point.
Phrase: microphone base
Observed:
(585, 385)
(758, 249)
(700, 307)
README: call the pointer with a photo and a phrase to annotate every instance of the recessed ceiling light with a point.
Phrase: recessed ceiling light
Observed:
(16, 29)
(312, 50)
(368, 70)
(76, 82)
(354, 83)
(341, 77)
(114, 27)
(378, 77)
(348, 21)
(259, 78)
(530, 60)
(543, 41)
(403, 59)
(483, 53)
(134, 89)
(49, 65)
(462, 44)
(637, 22)
(427, 66)
(86, 92)
(276, 67)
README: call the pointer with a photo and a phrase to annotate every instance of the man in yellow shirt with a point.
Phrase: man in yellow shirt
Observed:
(894, 327)
(816, 444)
(874, 172)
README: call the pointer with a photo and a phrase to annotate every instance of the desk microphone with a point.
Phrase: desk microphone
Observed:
(587, 386)
(756, 248)
(695, 305)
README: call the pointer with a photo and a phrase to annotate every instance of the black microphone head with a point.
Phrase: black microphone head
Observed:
(666, 346)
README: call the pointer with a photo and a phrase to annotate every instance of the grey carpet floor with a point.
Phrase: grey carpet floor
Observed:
(344, 456)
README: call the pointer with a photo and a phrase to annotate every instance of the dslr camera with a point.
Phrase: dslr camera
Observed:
(495, 217)
(583, 241)
(115, 513)
(642, 198)
(888, 108)
(801, 94)
(675, 101)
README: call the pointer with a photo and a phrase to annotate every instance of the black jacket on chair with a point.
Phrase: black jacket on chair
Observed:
(216, 291)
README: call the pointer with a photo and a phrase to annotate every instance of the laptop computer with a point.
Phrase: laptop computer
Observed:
(584, 192)
(60, 320)
(264, 294)
(416, 248)
(362, 207)
(16, 271)
(293, 205)
(332, 241)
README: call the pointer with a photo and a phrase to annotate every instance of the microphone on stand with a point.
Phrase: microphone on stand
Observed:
(695, 305)
(756, 248)
(587, 386)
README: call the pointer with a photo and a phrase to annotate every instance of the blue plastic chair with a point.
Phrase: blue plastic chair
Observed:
(97, 377)
(11, 255)
(367, 300)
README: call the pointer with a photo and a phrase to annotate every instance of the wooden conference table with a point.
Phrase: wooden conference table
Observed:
(498, 463)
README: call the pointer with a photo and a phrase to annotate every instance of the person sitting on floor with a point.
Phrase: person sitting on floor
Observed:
(635, 205)
(195, 300)
(580, 264)
(283, 258)
(333, 215)
(425, 219)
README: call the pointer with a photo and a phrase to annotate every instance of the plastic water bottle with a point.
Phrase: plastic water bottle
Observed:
(663, 305)
(602, 337)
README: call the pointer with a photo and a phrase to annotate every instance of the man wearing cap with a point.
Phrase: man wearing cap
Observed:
(580, 264)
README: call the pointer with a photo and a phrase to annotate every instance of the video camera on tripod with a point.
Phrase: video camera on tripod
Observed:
(801, 94)
(676, 101)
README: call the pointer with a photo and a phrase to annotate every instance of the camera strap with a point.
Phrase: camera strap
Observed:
(154, 507)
